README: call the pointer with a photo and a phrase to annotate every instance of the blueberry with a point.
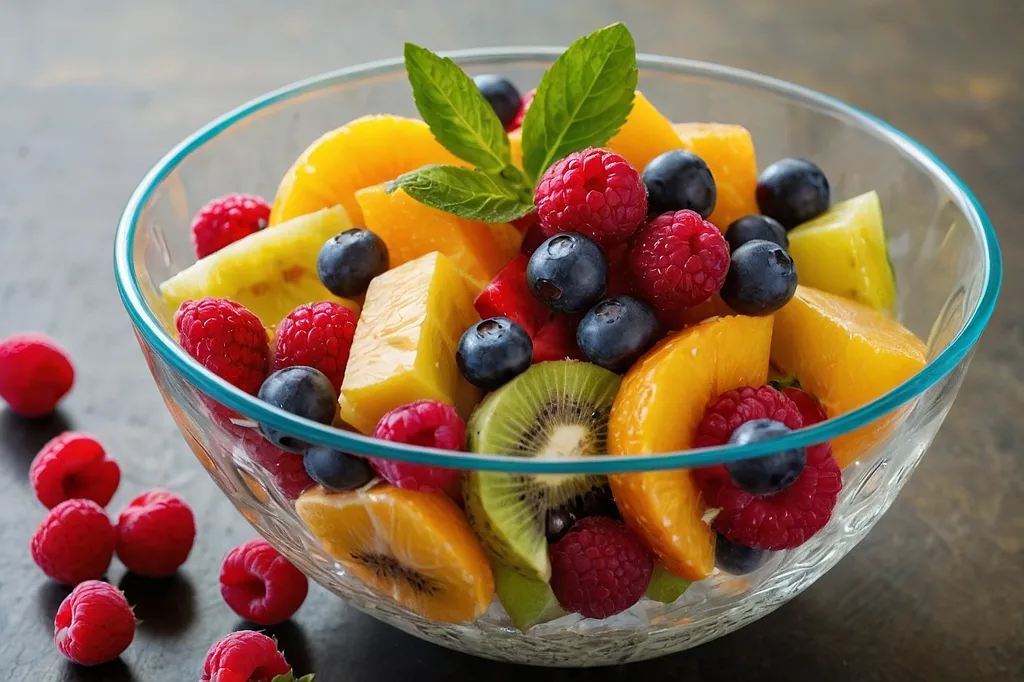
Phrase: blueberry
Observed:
(493, 351)
(738, 559)
(771, 473)
(568, 272)
(792, 191)
(678, 180)
(348, 261)
(617, 331)
(598, 501)
(558, 523)
(337, 470)
(751, 227)
(303, 391)
(761, 278)
(501, 95)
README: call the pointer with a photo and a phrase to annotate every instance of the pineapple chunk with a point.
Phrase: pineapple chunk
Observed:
(405, 343)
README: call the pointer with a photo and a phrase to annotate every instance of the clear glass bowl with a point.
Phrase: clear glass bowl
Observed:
(943, 249)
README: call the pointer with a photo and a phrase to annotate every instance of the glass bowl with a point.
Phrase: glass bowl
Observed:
(943, 250)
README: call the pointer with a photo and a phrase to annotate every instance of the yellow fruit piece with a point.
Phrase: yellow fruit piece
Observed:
(270, 272)
(729, 152)
(843, 251)
(645, 134)
(846, 355)
(658, 408)
(367, 151)
(411, 229)
(415, 548)
(405, 342)
(515, 143)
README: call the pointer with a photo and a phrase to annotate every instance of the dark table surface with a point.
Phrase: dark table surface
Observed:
(91, 94)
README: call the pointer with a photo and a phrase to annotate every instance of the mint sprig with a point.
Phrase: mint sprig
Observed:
(458, 115)
(466, 193)
(582, 101)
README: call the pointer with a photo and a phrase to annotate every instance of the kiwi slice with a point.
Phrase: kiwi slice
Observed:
(528, 602)
(553, 409)
(665, 587)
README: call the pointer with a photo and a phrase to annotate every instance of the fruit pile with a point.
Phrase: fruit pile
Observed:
(513, 276)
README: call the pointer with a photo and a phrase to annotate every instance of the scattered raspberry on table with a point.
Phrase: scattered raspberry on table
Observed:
(225, 220)
(155, 533)
(94, 624)
(428, 423)
(244, 656)
(74, 543)
(35, 373)
(260, 585)
(594, 192)
(678, 260)
(227, 339)
(74, 465)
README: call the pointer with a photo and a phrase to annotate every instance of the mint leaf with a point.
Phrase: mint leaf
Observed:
(583, 99)
(466, 193)
(458, 115)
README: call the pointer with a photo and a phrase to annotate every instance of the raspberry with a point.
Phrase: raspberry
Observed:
(517, 122)
(678, 260)
(284, 467)
(260, 585)
(226, 339)
(619, 281)
(810, 408)
(94, 624)
(244, 656)
(533, 237)
(785, 519)
(428, 423)
(732, 408)
(594, 192)
(74, 543)
(155, 534)
(74, 465)
(35, 373)
(317, 335)
(599, 568)
(226, 220)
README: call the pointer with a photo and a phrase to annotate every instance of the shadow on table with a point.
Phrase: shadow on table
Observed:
(23, 438)
(164, 607)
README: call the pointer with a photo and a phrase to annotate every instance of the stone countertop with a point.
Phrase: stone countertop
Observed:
(91, 94)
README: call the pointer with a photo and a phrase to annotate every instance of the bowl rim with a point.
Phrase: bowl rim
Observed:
(156, 337)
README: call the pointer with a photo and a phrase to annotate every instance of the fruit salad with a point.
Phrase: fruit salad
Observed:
(561, 273)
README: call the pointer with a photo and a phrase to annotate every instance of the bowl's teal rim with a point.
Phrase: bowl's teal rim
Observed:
(166, 347)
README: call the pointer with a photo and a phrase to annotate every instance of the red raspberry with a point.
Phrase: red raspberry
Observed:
(74, 543)
(317, 335)
(94, 624)
(285, 468)
(594, 192)
(244, 656)
(786, 519)
(599, 568)
(619, 279)
(428, 423)
(810, 409)
(74, 465)
(260, 585)
(155, 533)
(678, 260)
(226, 220)
(731, 409)
(533, 237)
(517, 122)
(226, 339)
(35, 373)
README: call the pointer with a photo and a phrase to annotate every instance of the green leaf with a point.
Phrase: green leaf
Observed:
(583, 99)
(467, 193)
(290, 677)
(458, 115)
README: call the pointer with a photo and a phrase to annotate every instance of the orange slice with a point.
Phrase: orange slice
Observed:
(413, 547)
(367, 151)
(846, 354)
(729, 152)
(658, 408)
